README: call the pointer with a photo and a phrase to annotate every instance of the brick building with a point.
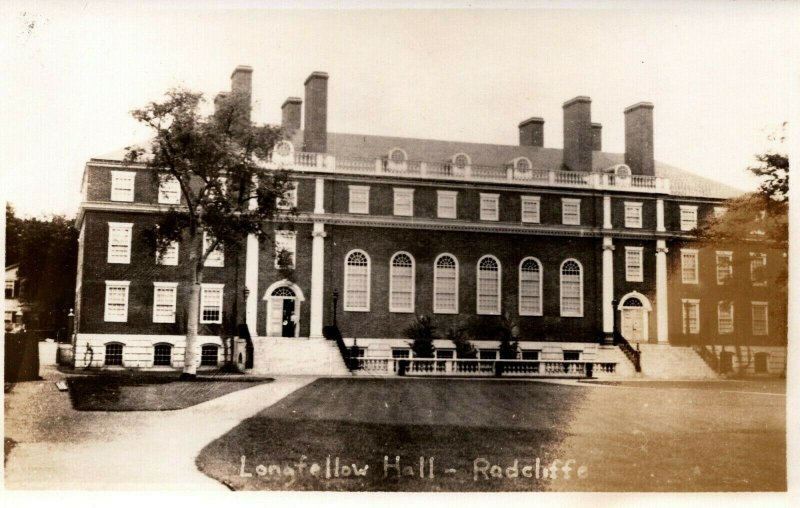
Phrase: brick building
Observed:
(400, 227)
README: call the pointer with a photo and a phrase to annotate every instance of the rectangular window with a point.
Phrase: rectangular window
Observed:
(725, 317)
(122, 185)
(119, 242)
(719, 211)
(760, 318)
(488, 354)
(445, 354)
(169, 191)
(169, 257)
(530, 209)
(490, 206)
(165, 296)
(116, 308)
(401, 353)
(688, 217)
(633, 264)
(758, 268)
(359, 199)
(689, 271)
(217, 257)
(572, 356)
(285, 241)
(571, 211)
(633, 215)
(404, 202)
(691, 316)
(530, 355)
(211, 303)
(289, 198)
(446, 204)
(724, 267)
(10, 289)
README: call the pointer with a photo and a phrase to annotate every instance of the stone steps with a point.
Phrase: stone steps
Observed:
(296, 356)
(662, 361)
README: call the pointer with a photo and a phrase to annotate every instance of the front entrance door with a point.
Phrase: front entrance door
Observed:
(289, 319)
(282, 315)
(633, 324)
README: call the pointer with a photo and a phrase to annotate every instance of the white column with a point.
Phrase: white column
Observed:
(251, 282)
(319, 196)
(317, 278)
(608, 290)
(606, 212)
(662, 316)
(660, 215)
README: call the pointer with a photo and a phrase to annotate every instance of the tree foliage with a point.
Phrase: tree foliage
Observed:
(422, 333)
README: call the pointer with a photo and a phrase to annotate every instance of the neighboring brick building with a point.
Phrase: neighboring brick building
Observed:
(402, 227)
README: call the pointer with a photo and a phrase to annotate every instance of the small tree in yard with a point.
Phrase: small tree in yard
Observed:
(464, 348)
(217, 162)
(422, 333)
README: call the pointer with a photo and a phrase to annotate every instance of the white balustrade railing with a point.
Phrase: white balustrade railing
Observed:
(479, 367)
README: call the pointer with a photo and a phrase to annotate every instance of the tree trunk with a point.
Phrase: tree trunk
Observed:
(193, 312)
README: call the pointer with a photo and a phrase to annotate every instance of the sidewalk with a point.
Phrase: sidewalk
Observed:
(60, 448)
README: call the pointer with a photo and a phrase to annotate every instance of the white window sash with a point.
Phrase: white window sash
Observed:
(571, 211)
(633, 215)
(170, 256)
(689, 274)
(690, 316)
(119, 242)
(724, 318)
(401, 286)
(286, 240)
(169, 191)
(216, 258)
(357, 299)
(634, 259)
(289, 198)
(165, 297)
(445, 287)
(122, 185)
(404, 202)
(724, 267)
(489, 289)
(760, 308)
(688, 217)
(116, 311)
(210, 292)
(490, 207)
(531, 209)
(530, 288)
(358, 199)
(571, 290)
(446, 204)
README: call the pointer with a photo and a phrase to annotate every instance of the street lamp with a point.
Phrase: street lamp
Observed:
(614, 303)
(335, 301)
(246, 294)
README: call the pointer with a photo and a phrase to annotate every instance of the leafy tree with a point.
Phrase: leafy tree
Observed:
(422, 333)
(218, 163)
(464, 348)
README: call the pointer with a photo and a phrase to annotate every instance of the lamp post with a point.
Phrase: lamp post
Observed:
(335, 301)
(248, 348)
(614, 304)
(246, 294)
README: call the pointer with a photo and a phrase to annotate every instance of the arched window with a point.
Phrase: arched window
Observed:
(113, 354)
(356, 281)
(209, 355)
(461, 161)
(530, 287)
(401, 283)
(162, 354)
(284, 292)
(571, 289)
(445, 285)
(397, 155)
(488, 285)
(522, 164)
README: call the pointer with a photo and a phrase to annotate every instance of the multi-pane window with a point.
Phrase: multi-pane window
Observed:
(211, 303)
(571, 211)
(209, 355)
(397, 155)
(169, 191)
(530, 287)
(633, 215)
(286, 242)
(401, 353)
(119, 242)
(758, 268)
(404, 202)
(688, 217)
(446, 204)
(165, 295)
(358, 199)
(571, 289)
(488, 285)
(445, 285)
(401, 283)
(724, 266)
(122, 185)
(633, 264)
(488, 354)
(689, 270)
(760, 318)
(690, 314)
(522, 164)
(162, 355)
(10, 293)
(356, 281)
(289, 198)
(724, 317)
(461, 161)
(530, 208)
(116, 307)
(169, 257)
(490, 206)
(217, 256)
(113, 354)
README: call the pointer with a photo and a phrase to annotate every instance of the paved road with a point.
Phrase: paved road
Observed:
(60, 448)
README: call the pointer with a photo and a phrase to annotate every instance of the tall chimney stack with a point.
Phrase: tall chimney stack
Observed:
(316, 113)
(242, 85)
(291, 113)
(531, 132)
(639, 139)
(597, 137)
(578, 134)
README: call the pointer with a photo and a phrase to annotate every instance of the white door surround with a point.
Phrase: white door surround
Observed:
(635, 311)
(275, 297)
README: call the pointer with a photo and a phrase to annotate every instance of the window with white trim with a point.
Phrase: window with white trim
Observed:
(724, 317)
(571, 289)
(357, 282)
(461, 161)
(488, 285)
(571, 211)
(398, 155)
(530, 287)
(404, 202)
(760, 315)
(358, 201)
(689, 269)
(688, 217)
(633, 215)
(634, 258)
(285, 241)
(758, 268)
(530, 209)
(10, 289)
(446, 202)
(169, 190)
(122, 183)
(116, 305)
(724, 266)
(401, 283)
(211, 303)
(289, 198)
(162, 355)
(522, 164)
(113, 354)
(690, 313)
(119, 242)
(490, 206)
(445, 285)
(209, 355)
(216, 258)
(169, 257)
(165, 297)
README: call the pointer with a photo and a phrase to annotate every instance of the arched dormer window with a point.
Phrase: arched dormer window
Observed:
(522, 164)
(530, 287)
(571, 288)
(283, 152)
(356, 281)
(397, 155)
(461, 160)
(401, 283)
(489, 289)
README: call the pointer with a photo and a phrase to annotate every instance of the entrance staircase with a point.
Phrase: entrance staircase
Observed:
(663, 361)
(299, 356)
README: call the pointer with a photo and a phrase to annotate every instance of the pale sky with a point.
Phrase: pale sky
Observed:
(720, 76)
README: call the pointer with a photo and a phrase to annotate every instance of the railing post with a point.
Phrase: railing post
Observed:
(378, 165)
(509, 173)
(423, 168)
(551, 176)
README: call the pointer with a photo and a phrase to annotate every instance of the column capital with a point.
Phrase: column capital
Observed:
(608, 247)
(319, 234)
(660, 250)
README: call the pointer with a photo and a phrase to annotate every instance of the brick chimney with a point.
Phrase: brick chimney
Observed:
(316, 112)
(531, 132)
(291, 110)
(639, 139)
(597, 137)
(242, 84)
(578, 134)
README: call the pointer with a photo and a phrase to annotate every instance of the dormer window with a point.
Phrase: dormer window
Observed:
(461, 161)
(397, 155)
(283, 148)
(522, 164)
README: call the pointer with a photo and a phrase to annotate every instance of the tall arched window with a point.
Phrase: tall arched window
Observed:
(401, 283)
(488, 285)
(445, 285)
(571, 289)
(356, 281)
(530, 287)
